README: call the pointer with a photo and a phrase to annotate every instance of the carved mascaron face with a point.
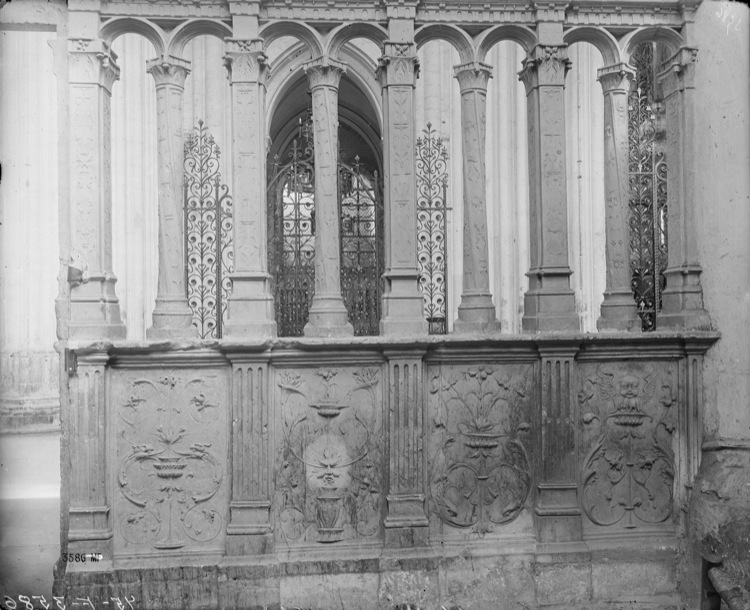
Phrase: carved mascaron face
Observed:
(630, 387)
(329, 454)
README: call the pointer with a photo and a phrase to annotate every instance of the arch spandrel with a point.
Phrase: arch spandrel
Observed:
(342, 34)
(600, 38)
(114, 28)
(188, 30)
(303, 32)
(666, 36)
(517, 33)
(457, 37)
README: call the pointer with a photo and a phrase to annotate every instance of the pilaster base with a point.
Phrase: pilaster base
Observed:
(251, 309)
(476, 314)
(406, 524)
(249, 531)
(558, 514)
(682, 301)
(94, 308)
(403, 306)
(328, 318)
(173, 319)
(618, 312)
(90, 531)
(548, 310)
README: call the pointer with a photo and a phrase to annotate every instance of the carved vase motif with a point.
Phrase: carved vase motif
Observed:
(170, 476)
(479, 470)
(628, 473)
(328, 481)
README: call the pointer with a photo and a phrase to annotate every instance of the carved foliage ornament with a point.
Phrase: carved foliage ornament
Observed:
(628, 474)
(480, 472)
(328, 477)
(169, 474)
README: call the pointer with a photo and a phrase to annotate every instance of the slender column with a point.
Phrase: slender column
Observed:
(476, 312)
(249, 529)
(558, 512)
(84, 428)
(403, 308)
(172, 316)
(328, 315)
(618, 310)
(682, 299)
(251, 311)
(549, 303)
(406, 523)
(94, 308)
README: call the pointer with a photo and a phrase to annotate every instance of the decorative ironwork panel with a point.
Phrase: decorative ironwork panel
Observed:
(362, 256)
(208, 234)
(291, 238)
(648, 191)
(432, 253)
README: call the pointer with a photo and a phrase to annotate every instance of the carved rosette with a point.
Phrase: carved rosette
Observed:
(480, 472)
(629, 420)
(171, 447)
(329, 465)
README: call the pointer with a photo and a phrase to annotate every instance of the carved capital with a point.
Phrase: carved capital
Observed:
(473, 76)
(398, 65)
(616, 78)
(93, 62)
(545, 65)
(245, 61)
(168, 70)
(324, 72)
(550, 11)
(678, 72)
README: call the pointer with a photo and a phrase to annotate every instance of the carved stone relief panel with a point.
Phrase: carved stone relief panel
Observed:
(171, 458)
(329, 485)
(478, 446)
(629, 418)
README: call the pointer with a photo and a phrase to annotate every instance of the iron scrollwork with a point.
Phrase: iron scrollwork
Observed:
(432, 254)
(208, 234)
(648, 191)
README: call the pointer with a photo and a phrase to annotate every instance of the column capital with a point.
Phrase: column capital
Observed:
(92, 61)
(245, 61)
(616, 77)
(398, 65)
(324, 72)
(545, 65)
(168, 70)
(677, 73)
(473, 75)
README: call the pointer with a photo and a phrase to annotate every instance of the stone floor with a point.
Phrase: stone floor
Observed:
(29, 513)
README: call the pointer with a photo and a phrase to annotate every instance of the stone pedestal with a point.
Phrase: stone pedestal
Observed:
(476, 312)
(172, 318)
(549, 303)
(682, 299)
(402, 302)
(618, 310)
(251, 310)
(94, 308)
(328, 315)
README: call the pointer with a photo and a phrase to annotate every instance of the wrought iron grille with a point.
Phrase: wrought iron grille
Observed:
(648, 191)
(208, 234)
(362, 256)
(291, 239)
(432, 253)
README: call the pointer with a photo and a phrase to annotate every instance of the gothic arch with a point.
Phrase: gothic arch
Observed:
(303, 32)
(196, 27)
(667, 36)
(517, 33)
(114, 28)
(600, 38)
(457, 37)
(339, 36)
